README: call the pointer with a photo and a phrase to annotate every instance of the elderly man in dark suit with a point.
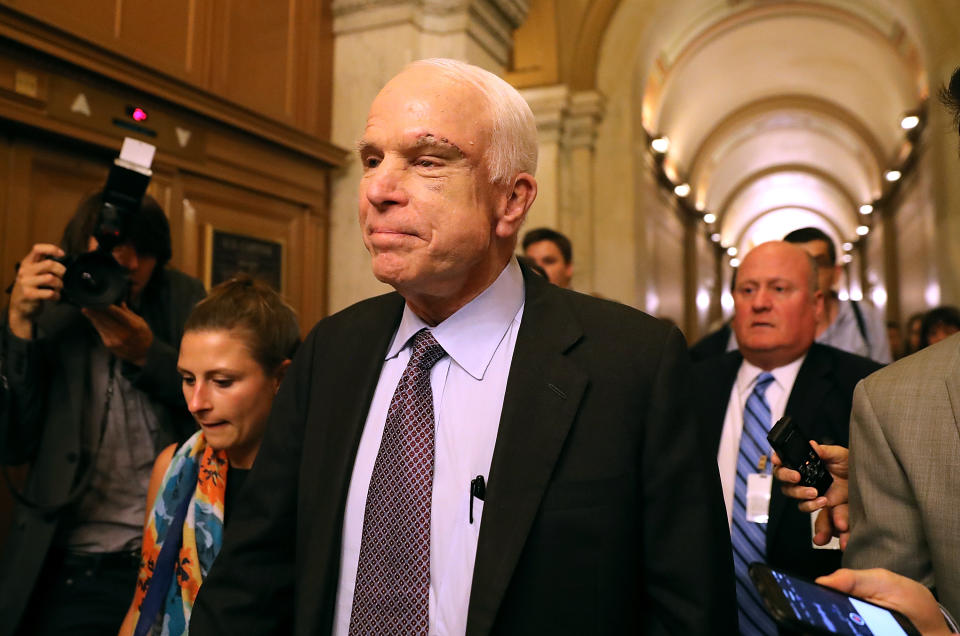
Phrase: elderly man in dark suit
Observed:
(778, 370)
(482, 452)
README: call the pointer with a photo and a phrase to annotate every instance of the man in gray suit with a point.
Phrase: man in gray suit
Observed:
(905, 461)
(905, 471)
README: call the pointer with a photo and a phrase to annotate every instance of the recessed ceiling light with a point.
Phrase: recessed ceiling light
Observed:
(660, 145)
(909, 122)
(709, 217)
(892, 175)
(734, 262)
(682, 190)
(863, 230)
(732, 251)
(866, 208)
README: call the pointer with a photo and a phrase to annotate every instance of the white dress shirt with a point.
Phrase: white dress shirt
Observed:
(468, 386)
(777, 395)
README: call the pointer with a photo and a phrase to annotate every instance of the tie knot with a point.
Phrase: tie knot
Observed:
(426, 350)
(763, 381)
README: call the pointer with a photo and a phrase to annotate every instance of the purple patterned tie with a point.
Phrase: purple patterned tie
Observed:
(392, 594)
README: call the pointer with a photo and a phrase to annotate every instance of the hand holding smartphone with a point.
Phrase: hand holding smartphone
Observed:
(806, 607)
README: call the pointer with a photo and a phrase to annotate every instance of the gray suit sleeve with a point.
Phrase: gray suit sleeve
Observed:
(886, 528)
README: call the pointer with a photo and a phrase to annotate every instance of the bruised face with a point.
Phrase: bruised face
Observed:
(547, 255)
(776, 312)
(428, 210)
(227, 391)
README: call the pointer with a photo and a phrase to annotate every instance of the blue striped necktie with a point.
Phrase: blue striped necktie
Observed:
(750, 539)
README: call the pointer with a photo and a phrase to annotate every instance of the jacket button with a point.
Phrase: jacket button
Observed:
(72, 457)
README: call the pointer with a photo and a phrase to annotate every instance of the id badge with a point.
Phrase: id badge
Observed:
(759, 486)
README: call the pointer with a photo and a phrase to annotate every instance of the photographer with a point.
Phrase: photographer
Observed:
(93, 394)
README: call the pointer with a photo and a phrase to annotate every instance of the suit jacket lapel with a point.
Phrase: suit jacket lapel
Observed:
(543, 394)
(332, 448)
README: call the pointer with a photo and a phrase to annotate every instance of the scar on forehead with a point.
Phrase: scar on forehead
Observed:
(426, 140)
(429, 140)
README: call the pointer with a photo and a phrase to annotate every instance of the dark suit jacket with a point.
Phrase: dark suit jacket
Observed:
(712, 344)
(820, 403)
(602, 516)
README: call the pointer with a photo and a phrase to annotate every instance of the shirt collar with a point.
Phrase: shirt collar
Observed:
(471, 335)
(783, 376)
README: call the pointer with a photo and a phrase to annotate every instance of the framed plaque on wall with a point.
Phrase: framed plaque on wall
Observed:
(229, 253)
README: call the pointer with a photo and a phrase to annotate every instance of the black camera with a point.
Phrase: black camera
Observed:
(96, 279)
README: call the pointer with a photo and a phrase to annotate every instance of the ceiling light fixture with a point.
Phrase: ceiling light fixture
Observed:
(734, 262)
(660, 145)
(682, 190)
(863, 230)
(847, 246)
(866, 208)
(709, 217)
(892, 175)
(715, 237)
(909, 122)
(732, 251)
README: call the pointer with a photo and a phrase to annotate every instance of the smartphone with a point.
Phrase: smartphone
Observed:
(796, 452)
(805, 607)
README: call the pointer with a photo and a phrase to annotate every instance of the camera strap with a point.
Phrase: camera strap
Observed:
(88, 462)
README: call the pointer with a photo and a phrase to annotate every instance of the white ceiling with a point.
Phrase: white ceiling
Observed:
(782, 114)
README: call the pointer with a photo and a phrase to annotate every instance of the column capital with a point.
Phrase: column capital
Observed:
(490, 23)
(564, 116)
(584, 113)
(549, 106)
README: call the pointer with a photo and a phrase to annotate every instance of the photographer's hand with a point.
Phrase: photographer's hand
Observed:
(124, 333)
(39, 279)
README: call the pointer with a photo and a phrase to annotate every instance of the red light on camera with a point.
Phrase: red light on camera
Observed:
(138, 114)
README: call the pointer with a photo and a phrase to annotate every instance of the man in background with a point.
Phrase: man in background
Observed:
(552, 251)
(778, 371)
(850, 325)
(93, 395)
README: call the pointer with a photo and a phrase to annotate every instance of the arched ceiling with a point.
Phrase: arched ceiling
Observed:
(803, 96)
(776, 107)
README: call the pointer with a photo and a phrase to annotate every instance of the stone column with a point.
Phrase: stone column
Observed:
(549, 106)
(584, 113)
(567, 126)
(374, 40)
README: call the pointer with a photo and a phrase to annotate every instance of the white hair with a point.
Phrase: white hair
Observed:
(513, 143)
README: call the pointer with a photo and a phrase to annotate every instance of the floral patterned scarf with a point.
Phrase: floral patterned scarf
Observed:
(199, 472)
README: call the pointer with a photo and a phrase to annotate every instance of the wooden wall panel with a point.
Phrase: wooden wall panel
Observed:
(46, 184)
(93, 19)
(235, 210)
(269, 58)
(166, 35)
(254, 61)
